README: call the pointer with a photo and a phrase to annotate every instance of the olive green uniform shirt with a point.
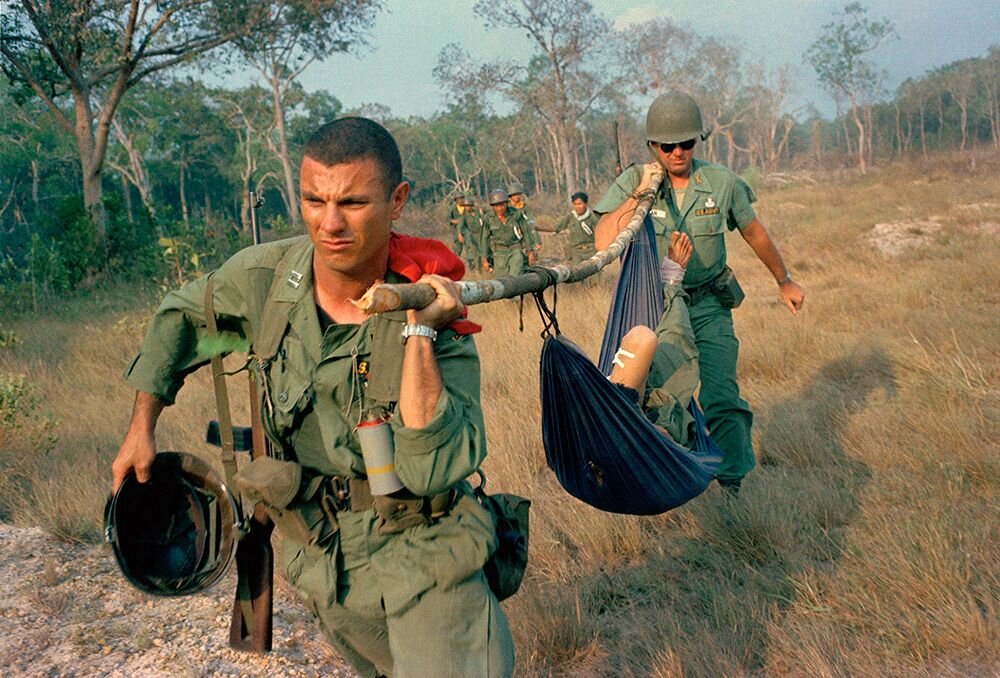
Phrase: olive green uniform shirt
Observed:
(715, 200)
(318, 389)
(581, 234)
(506, 235)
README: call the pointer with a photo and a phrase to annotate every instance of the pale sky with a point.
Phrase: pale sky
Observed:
(396, 70)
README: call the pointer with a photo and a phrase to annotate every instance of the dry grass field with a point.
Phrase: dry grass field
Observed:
(867, 541)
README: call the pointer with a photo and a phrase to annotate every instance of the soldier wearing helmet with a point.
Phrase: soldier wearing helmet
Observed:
(516, 200)
(704, 201)
(505, 235)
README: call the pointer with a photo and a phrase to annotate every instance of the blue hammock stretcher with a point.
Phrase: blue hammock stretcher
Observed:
(602, 448)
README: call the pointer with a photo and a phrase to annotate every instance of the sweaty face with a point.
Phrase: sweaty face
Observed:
(677, 162)
(348, 215)
(579, 206)
(500, 209)
(517, 200)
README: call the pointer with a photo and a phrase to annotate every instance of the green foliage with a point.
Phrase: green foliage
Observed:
(9, 339)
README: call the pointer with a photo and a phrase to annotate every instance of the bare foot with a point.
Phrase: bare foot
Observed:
(679, 250)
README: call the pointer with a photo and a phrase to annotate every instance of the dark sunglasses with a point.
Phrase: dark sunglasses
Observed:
(669, 148)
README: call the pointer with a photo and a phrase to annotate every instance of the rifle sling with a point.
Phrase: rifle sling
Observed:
(221, 394)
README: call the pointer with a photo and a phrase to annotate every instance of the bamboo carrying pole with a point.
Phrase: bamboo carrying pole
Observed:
(383, 297)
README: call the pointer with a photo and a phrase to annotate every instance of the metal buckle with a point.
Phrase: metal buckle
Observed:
(341, 491)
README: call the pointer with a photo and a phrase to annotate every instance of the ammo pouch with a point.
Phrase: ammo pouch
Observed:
(727, 290)
(505, 568)
(305, 512)
(403, 509)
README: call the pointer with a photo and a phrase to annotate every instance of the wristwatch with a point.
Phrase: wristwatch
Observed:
(787, 278)
(413, 330)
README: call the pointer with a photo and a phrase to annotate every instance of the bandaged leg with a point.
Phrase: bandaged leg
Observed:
(633, 358)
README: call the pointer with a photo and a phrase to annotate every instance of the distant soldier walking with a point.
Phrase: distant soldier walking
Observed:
(455, 223)
(704, 201)
(533, 242)
(580, 224)
(472, 230)
(504, 236)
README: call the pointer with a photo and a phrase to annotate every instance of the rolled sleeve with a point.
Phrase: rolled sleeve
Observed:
(452, 445)
(619, 191)
(741, 211)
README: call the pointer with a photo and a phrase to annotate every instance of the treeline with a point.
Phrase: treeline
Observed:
(115, 160)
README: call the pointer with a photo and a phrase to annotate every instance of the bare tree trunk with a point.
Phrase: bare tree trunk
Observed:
(286, 163)
(538, 168)
(963, 106)
(899, 132)
(859, 124)
(183, 191)
(923, 132)
(565, 139)
(127, 198)
(90, 162)
(586, 158)
(35, 180)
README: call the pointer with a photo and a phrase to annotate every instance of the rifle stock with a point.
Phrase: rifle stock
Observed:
(253, 606)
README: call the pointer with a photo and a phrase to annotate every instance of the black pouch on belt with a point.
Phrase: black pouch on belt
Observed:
(301, 508)
(727, 289)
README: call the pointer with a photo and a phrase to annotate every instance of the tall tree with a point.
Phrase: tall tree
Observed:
(294, 35)
(566, 76)
(839, 58)
(93, 51)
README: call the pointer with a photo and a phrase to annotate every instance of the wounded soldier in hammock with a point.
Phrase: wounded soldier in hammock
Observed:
(662, 366)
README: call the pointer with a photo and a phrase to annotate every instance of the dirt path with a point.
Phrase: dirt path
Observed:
(66, 610)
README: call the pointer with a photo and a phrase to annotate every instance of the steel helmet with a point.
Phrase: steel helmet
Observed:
(674, 117)
(515, 188)
(175, 534)
(497, 196)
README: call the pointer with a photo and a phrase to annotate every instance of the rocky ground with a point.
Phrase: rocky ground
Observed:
(66, 610)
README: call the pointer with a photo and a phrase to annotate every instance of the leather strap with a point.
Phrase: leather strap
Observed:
(221, 394)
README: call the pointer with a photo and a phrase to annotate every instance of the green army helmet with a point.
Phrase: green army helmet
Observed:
(515, 188)
(674, 117)
(497, 196)
(467, 201)
(175, 534)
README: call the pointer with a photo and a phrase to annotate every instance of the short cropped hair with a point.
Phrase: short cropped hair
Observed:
(581, 195)
(353, 138)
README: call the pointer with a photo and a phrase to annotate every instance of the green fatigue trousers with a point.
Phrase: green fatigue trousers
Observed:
(508, 261)
(472, 254)
(728, 416)
(410, 605)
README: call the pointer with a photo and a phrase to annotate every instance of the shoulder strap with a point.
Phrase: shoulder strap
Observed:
(221, 394)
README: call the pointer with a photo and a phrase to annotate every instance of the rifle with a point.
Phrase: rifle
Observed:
(253, 605)
(618, 152)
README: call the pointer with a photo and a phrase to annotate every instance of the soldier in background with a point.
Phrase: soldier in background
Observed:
(504, 236)
(516, 198)
(581, 223)
(454, 223)
(472, 230)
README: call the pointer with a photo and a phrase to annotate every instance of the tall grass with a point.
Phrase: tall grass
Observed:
(865, 543)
